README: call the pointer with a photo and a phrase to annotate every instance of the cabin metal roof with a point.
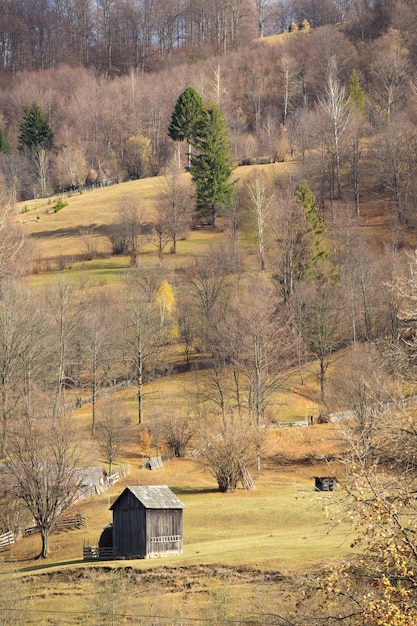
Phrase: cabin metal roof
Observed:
(154, 497)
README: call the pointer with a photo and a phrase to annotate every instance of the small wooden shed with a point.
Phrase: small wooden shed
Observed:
(147, 522)
(325, 483)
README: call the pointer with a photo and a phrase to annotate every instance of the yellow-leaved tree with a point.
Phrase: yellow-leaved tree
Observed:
(165, 299)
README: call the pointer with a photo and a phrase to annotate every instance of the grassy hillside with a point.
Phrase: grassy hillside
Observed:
(239, 546)
(272, 534)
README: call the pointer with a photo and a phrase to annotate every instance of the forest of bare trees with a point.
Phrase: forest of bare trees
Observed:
(339, 93)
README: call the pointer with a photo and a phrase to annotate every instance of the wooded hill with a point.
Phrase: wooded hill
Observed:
(310, 259)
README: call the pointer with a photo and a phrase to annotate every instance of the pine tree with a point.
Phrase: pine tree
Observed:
(356, 93)
(4, 144)
(187, 117)
(211, 167)
(35, 132)
(315, 225)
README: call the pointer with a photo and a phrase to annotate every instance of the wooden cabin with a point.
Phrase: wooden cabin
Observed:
(147, 522)
(325, 483)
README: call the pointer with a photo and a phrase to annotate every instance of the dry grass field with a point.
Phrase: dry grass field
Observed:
(245, 552)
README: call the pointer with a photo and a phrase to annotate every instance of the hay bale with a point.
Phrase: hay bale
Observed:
(91, 178)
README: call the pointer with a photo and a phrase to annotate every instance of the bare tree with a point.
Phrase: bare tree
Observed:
(63, 314)
(323, 324)
(290, 77)
(177, 432)
(43, 460)
(113, 432)
(11, 237)
(175, 206)
(132, 221)
(97, 343)
(21, 341)
(228, 453)
(142, 335)
(390, 71)
(336, 108)
(267, 348)
(259, 206)
(71, 167)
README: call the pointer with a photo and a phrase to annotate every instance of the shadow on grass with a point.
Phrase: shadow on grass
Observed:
(185, 491)
(39, 565)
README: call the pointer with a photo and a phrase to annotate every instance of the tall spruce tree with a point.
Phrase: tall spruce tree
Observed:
(187, 118)
(35, 132)
(211, 167)
(315, 226)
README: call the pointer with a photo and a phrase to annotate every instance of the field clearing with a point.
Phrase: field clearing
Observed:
(96, 210)
(237, 547)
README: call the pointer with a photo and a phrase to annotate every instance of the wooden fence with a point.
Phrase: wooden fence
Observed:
(95, 552)
(6, 540)
(69, 522)
(124, 470)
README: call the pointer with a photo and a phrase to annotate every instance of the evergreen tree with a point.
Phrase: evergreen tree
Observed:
(356, 93)
(35, 132)
(315, 225)
(4, 144)
(211, 167)
(187, 118)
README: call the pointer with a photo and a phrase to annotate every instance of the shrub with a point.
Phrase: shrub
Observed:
(60, 204)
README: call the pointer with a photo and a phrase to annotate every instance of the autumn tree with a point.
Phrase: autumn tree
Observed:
(165, 301)
(43, 459)
(137, 157)
(356, 93)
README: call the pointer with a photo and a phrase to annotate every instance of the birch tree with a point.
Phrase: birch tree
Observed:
(260, 209)
(335, 107)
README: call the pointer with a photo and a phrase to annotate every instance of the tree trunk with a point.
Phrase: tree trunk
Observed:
(213, 216)
(45, 543)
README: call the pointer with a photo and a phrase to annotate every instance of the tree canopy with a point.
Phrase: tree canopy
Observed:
(211, 168)
(187, 116)
(35, 131)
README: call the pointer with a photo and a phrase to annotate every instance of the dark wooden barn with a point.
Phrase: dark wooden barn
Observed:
(325, 483)
(147, 521)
